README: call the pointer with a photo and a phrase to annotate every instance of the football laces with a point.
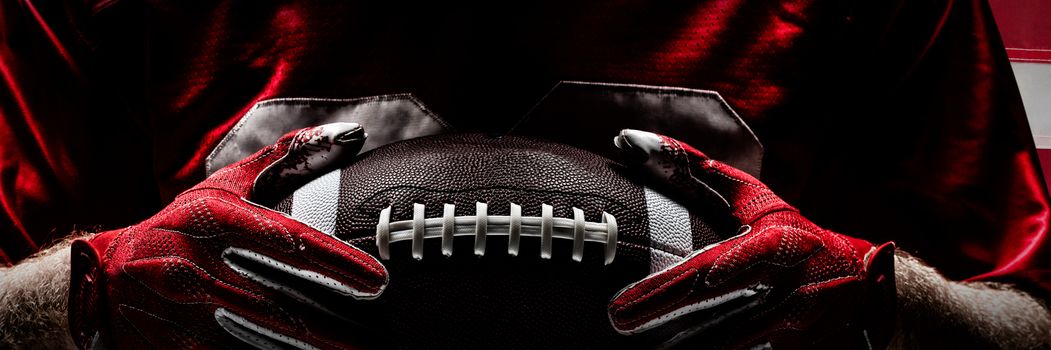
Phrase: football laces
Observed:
(481, 225)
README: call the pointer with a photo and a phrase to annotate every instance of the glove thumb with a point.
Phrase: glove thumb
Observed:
(295, 159)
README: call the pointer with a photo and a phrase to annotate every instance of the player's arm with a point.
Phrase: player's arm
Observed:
(784, 282)
(935, 312)
(33, 297)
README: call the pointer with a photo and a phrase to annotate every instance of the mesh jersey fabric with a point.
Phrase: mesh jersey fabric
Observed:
(896, 120)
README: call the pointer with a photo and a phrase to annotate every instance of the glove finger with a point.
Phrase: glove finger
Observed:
(216, 324)
(309, 279)
(296, 158)
(693, 174)
(224, 232)
(805, 318)
(340, 267)
(137, 328)
(255, 334)
(728, 272)
(169, 301)
(329, 314)
(185, 315)
(311, 332)
(283, 252)
(741, 333)
(682, 296)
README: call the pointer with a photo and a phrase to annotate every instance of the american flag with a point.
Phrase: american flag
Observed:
(1027, 36)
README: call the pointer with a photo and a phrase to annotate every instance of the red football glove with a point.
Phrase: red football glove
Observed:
(215, 269)
(780, 281)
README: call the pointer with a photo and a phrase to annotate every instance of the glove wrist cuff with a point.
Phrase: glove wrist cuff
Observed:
(880, 309)
(87, 288)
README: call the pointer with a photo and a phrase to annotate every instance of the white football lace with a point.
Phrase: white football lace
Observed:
(481, 225)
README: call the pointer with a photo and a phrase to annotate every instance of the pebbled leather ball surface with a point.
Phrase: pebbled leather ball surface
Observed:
(495, 300)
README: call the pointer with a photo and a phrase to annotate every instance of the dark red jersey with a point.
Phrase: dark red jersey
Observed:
(887, 120)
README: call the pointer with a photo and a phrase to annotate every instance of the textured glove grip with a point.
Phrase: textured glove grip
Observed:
(86, 289)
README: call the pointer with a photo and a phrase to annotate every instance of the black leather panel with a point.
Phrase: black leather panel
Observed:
(387, 119)
(588, 115)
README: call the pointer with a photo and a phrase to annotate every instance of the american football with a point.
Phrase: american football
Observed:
(498, 241)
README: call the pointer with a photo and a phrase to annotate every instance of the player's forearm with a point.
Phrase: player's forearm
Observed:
(33, 298)
(936, 313)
